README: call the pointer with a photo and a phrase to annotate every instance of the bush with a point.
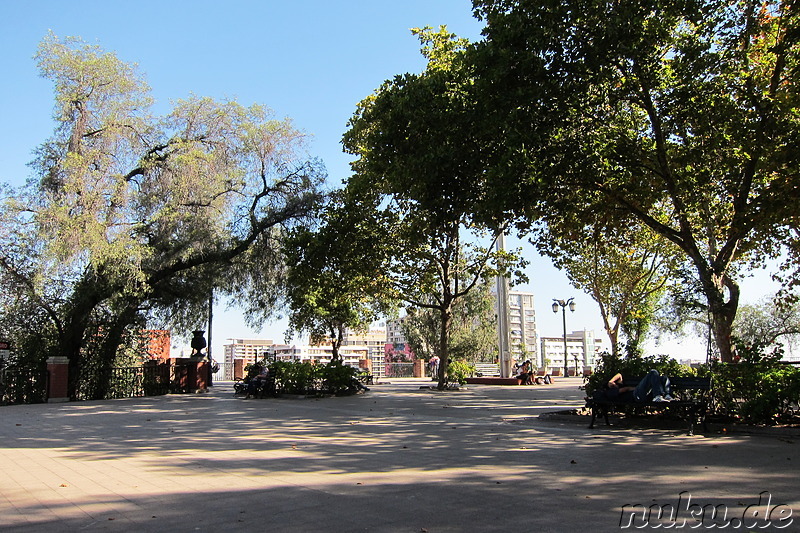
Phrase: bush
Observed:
(305, 378)
(459, 371)
(756, 393)
(758, 390)
(294, 377)
(338, 378)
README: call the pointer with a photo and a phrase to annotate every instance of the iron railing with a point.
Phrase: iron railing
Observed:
(23, 385)
(398, 370)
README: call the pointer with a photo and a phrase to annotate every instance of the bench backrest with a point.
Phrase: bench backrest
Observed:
(686, 383)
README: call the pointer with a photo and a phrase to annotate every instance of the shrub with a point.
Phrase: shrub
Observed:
(338, 378)
(294, 377)
(756, 393)
(459, 371)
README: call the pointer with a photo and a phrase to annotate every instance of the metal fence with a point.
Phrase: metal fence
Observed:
(398, 370)
(23, 385)
(225, 372)
(131, 382)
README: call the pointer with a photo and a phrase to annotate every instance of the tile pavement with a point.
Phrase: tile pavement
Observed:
(397, 459)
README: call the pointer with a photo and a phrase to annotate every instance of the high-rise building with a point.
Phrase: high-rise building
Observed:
(375, 340)
(523, 337)
(394, 333)
(250, 350)
(582, 349)
(351, 355)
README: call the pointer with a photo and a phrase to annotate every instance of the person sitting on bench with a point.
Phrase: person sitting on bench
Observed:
(256, 381)
(652, 388)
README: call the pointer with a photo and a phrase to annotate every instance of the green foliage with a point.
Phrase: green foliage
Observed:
(295, 377)
(459, 371)
(624, 270)
(473, 334)
(762, 328)
(134, 219)
(335, 279)
(759, 391)
(412, 145)
(681, 115)
(338, 378)
(756, 393)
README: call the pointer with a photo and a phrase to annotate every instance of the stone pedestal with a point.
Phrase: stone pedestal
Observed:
(190, 375)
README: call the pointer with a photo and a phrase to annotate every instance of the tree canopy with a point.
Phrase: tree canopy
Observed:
(133, 215)
(681, 114)
(413, 152)
(336, 278)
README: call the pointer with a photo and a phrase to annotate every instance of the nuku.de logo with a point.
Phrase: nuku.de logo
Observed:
(690, 514)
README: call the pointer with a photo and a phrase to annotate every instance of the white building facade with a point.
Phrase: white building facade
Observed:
(583, 347)
(523, 336)
(250, 350)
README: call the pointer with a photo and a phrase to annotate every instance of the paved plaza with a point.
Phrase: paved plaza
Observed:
(396, 459)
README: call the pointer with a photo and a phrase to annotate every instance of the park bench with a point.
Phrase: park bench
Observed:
(364, 376)
(691, 397)
(265, 387)
(487, 370)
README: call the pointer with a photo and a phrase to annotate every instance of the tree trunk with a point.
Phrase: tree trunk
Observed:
(722, 312)
(107, 354)
(446, 312)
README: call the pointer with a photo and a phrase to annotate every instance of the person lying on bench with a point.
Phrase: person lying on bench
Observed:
(652, 388)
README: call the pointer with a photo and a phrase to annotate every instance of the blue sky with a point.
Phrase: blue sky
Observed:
(310, 60)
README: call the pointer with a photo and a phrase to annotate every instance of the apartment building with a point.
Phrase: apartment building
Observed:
(582, 349)
(375, 339)
(394, 333)
(351, 355)
(523, 337)
(250, 350)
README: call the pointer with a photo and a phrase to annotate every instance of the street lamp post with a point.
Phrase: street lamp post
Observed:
(564, 304)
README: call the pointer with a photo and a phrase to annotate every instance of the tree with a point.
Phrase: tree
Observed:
(473, 335)
(410, 153)
(680, 114)
(135, 216)
(766, 325)
(334, 278)
(626, 271)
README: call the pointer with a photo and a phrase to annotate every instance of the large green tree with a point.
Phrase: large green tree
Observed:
(680, 113)
(134, 215)
(410, 149)
(335, 276)
(474, 328)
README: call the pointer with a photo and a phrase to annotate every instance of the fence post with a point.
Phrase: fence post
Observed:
(238, 368)
(58, 379)
(419, 368)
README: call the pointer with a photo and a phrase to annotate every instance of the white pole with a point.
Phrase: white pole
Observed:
(502, 317)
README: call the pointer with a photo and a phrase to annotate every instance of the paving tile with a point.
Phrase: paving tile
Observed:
(394, 459)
